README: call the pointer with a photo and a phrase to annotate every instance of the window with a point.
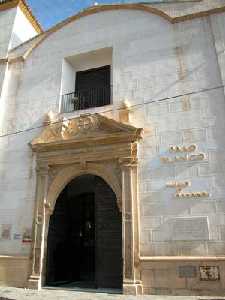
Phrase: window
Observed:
(86, 82)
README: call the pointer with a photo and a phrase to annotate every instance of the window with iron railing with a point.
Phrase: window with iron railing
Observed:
(92, 89)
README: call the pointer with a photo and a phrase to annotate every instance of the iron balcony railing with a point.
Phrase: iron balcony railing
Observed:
(86, 98)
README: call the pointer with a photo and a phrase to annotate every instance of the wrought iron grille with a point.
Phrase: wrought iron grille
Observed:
(86, 98)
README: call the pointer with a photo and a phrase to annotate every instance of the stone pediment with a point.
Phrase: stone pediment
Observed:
(87, 129)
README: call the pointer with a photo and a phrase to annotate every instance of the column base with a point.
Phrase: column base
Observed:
(133, 288)
(34, 282)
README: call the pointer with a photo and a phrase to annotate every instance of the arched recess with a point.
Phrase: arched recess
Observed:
(89, 144)
(62, 177)
(84, 238)
(66, 174)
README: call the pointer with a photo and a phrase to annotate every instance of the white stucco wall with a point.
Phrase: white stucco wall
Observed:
(171, 77)
(22, 31)
(14, 30)
(6, 25)
(68, 78)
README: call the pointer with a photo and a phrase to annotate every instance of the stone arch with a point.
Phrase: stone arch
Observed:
(64, 176)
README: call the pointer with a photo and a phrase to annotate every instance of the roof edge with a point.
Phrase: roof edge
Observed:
(25, 9)
(31, 18)
(110, 7)
(8, 4)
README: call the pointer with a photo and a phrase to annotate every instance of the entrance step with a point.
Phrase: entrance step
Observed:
(7, 293)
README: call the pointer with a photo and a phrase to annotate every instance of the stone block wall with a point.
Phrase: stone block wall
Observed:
(181, 278)
(14, 271)
(174, 225)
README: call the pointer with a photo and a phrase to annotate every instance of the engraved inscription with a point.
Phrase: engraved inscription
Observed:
(209, 273)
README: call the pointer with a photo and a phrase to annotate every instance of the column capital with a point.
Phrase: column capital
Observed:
(128, 162)
(42, 169)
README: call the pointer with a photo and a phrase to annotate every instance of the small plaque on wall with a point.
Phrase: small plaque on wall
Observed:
(209, 273)
(187, 271)
(5, 231)
(27, 236)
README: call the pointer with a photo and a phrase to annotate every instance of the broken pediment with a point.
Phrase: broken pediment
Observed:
(87, 129)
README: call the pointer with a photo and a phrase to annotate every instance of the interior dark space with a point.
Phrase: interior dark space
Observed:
(84, 246)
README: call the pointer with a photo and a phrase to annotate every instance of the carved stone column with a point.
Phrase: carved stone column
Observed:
(34, 281)
(131, 274)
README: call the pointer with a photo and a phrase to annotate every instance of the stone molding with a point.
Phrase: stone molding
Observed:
(19, 257)
(181, 258)
(89, 144)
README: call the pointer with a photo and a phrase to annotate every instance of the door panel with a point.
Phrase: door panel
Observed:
(85, 236)
(108, 238)
(93, 87)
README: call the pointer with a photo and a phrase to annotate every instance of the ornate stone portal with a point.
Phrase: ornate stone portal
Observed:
(89, 144)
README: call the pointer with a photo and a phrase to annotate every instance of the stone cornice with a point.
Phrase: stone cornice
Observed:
(181, 258)
(8, 4)
(3, 61)
(11, 60)
(14, 257)
(84, 131)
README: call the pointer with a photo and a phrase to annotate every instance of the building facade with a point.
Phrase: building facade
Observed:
(112, 164)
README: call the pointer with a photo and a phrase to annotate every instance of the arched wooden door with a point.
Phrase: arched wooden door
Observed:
(85, 236)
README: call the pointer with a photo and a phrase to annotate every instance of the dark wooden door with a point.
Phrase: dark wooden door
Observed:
(82, 238)
(71, 240)
(108, 238)
(92, 87)
(85, 236)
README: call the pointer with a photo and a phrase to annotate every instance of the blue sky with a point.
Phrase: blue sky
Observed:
(50, 12)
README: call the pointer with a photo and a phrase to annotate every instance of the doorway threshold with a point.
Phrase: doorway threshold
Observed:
(84, 289)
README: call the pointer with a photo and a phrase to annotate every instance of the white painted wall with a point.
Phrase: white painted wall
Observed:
(68, 78)
(91, 60)
(171, 77)
(7, 18)
(23, 30)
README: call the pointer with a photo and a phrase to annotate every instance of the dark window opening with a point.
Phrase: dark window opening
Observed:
(92, 89)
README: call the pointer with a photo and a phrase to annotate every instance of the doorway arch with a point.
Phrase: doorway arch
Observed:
(84, 244)
(89, 144)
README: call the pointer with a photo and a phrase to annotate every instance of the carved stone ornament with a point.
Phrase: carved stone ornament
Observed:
(89, 127)
(89, 144)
